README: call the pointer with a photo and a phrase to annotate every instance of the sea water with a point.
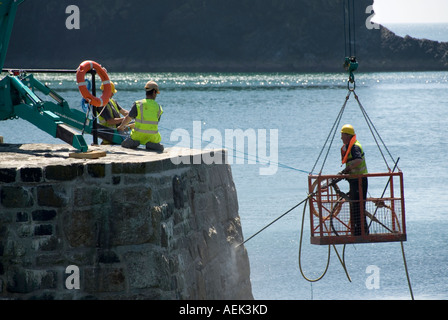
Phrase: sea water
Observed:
(408, 109)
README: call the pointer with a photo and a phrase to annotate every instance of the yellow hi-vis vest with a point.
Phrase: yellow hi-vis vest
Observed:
(110, 107)
(362, 167)
(147, 122)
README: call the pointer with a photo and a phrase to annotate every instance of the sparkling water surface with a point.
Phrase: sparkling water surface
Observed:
(409, 110)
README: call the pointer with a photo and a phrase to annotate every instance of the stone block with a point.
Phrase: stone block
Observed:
(48, 258)
(129, 168)
(63, 173)
(129, 224)
(21, 280)
(43, 230)
(46, 244)
(8, 175)
(79, 227)
(22, 217)
(88, 196)
(96, 170)
(178, 192)
(25, 231)
(132, 195)
(116, 180)
(108, 257)
(16, 197)
(43, 215)
(31, 174)
(52, 196)
(103, 278)
(147, 269)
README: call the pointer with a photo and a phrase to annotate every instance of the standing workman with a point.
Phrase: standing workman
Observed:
(147, 113)
(110, 115)
(355, 164)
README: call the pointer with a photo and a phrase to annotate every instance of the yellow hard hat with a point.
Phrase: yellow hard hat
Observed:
(348, 129)
(114, 91)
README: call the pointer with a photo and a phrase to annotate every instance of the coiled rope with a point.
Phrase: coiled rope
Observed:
(342, 261)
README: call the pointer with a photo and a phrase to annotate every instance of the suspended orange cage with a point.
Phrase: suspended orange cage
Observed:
(332, 212)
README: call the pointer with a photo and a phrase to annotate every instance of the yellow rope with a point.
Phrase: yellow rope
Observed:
(300, 252)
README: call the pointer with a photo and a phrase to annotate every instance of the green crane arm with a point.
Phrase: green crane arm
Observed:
(24, 103)
(18, 98)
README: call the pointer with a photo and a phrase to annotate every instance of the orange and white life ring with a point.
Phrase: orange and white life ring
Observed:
(85, 67)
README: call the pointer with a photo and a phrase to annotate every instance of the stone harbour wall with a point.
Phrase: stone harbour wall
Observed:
(131, 225)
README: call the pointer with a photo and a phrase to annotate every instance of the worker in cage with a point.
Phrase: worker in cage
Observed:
(355, 164)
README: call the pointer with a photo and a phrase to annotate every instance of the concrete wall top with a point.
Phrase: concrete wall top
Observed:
(36, 155)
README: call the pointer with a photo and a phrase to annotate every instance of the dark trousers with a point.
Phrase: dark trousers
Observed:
(356, 217)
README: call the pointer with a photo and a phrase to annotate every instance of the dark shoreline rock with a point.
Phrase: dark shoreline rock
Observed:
(211, 36)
